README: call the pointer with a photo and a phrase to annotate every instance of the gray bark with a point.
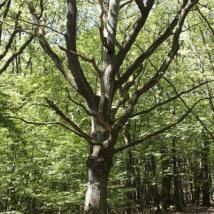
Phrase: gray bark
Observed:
(98, 166)
(96, 194)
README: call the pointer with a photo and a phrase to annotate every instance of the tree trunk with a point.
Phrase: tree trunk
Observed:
(206, 185)
(178, 196)
(133, 196)
(130, 195)
(166, 179)
(98, 165)
(197, 191)
(166, 189)
(96, 194)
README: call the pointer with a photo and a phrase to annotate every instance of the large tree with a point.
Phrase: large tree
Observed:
(119, 68)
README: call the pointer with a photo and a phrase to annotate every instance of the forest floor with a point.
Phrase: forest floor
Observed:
(190, 209)
(195, 209)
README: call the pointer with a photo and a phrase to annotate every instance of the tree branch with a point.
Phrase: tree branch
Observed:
(83, 86)
(59, 112)
(126, 3)
(178, 95)
(79, 104)
(206, 20)
(154, 46)
(47, 48)
(166, 128)
(102, 23)
(161, 71)
(127, 44)
(5, 13)
(46, 124)
(85, 58)
(194, 114)
(12, 36)
(111, 25)
(14, 55)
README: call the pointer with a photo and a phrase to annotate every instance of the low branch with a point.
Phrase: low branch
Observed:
(166, 128)
(59, 112)
(45, 124)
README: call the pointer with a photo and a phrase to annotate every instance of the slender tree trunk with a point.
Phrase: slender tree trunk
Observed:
(166, 180)
(134, 183)
(191, 192)
(130, 177)
(178, 196)
(166, 187)
(206, 185)
(153, 186)
(196, 176)
(197, 191)
(180, 180)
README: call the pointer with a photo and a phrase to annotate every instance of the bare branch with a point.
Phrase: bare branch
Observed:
(5, 13)
(35, 122)
(3, 3)
(126, 3)
(12, 37)
(14, 55)
(47, 48)
(206, 20)
(79, 104)
(43, 26)
(102, 23)
(46, 124)
(111, 25)
(166, 128)
(194, 114)
(178, 95)
(152, 48)
(68, 120)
